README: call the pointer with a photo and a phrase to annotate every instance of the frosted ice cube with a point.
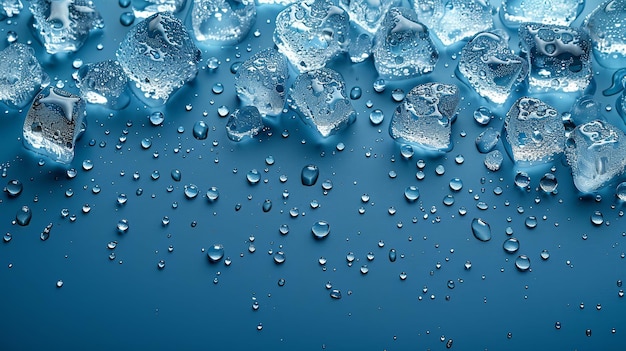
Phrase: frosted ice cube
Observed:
(596, 153)
(53, 123)
(245, 122)
(64, 25)
(558, 57)
(557, 12)
(607, 28)
(10, 8)
(310, 33)
(260, 81)
(454, 20)
(368, 14)
(104, 83)
(425, 116)
(321, 99)
(534, 132)
(403, 48)
(490, 67)
(147, 8)
(222, 21)
(159, 56)
(21, 75)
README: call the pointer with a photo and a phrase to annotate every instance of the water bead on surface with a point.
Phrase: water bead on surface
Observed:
(215, 253)
(411, 193)
(522, 263)
(481, 229)
(14, 187)
(309, 175)
(510, 245)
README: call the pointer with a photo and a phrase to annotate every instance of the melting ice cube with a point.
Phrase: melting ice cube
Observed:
(558, 12)
(310, 33)
(596, 153)
(53, 123)
(321, 99)
(607, 28)
(368, 14)
(245, 122)
(424, 117)
(403, 48)
(21, 76)
(260, 81)
(104, 83)
(222, 21)
(64, 25)
(10, 8)
(147, 8)
(159, 56)
(490, 67)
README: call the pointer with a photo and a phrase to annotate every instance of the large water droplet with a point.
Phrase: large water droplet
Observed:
(511, 245)
(200, 130)
(411, 193)
(335, 294)
(309, 175)
(253, 176)
(522, 262)
(548, 183)
(392, 255)
(320, 229)
(481, 229)
(23, 216)
(215, 252)
(14, 188)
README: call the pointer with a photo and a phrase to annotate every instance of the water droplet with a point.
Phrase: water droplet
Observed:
(483, 115)
(267, 205)
(548, 183)
(122, 226)
(335, 294)
(392, 255)
(127, 18)
(253, 176)
(522, 262)
(397, 95)
(377, 116)
(545, 254)
(146, 143)
(161, 264)
(212, 194)
(403, 275)
(309, 175)
(530, 222)
(481, 229)
(12, 36)
(7, 237)
(200, 130)
(176, 175)
(411, 193)
(14, 188)
(511, 245)
(156, 118)
(191, 191)
(406, 151)
(215, 252)
(456, 184)
(218, 88)
(355, 93)
(320, 229)
(23, 216)
(59, 283)
(597, 218)
(223, 111)
(379, 85)
(45, 234)
(522, 179)
(87, 165)
(279, 257)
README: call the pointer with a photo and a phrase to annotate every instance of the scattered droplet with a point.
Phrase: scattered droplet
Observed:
(411, 193)
(215, 252)
(522, 262)
(511, 245)
(481, 229)
(200, 130)
(23, 216)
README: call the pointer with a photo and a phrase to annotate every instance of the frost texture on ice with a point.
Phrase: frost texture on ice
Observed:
(596, 153)
(607, 28)
(321, 99)
(53, 124)
(147, 8)
(455, 20)
(425, 116)
(104, 83)
(557, 12)
(222, 21)
(21, 75)
(260, 81)
(10, 8)
(158, 56)
(368, 14)
(64, 25)
(558, 57)
(310, 33)
(490, 66)
(245, 122)
(403, 48)
(534, 131)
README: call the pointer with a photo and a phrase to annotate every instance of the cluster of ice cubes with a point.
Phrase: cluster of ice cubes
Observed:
(554, 12)
(321, 99)
(21, 76)
(147, 8)
(104, 83)
(245, 122)
(490, 67)
(424, 117)
(10, 8)
(158, 56)
(607, 28)
(64, 25)
(222, 21)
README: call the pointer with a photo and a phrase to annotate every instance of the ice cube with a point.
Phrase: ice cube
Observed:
(361, 43)
(490, 67)
(607, 28)
(585, 109)
(312, 32)
(558, 57)
(104, 83)
(321, 99)
(557, 12)
(368, 14)
(260, 81)
(403, 48)
(21, 75)
(425, 116)
(158, 56)
(245, 122)
(534, 132)
(64, 25)
(147, 8)
(53, 123)
(222, 21)
(455, 20)
(596, 153)
(10, 8)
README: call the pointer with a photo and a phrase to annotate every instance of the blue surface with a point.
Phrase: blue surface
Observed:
(128, 303)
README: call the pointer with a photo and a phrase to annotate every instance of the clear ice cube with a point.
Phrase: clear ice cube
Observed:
(490, 67)
(403, 48)
(55, 120)
(596, 153)
(158, 56)
(558, 56)
(312, 32)
(425, 116)
(534, 132)
(557, 12)
(321, 99)
(104, 83)
(368, 14)
(21, 75)
(222, 21)
(64, 25)
(455, 20)
(607, 28)
(10, 8)
(245, 122)
(260, 81)
(147, 8)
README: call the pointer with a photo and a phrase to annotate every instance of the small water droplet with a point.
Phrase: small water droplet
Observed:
(320, 229)
(392, 255)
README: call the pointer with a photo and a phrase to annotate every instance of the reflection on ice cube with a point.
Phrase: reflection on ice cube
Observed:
(368, 14)
(558, 12)
(607, 28)
(104, 83)
(222, 21)
(147, 8)
(21, 76)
